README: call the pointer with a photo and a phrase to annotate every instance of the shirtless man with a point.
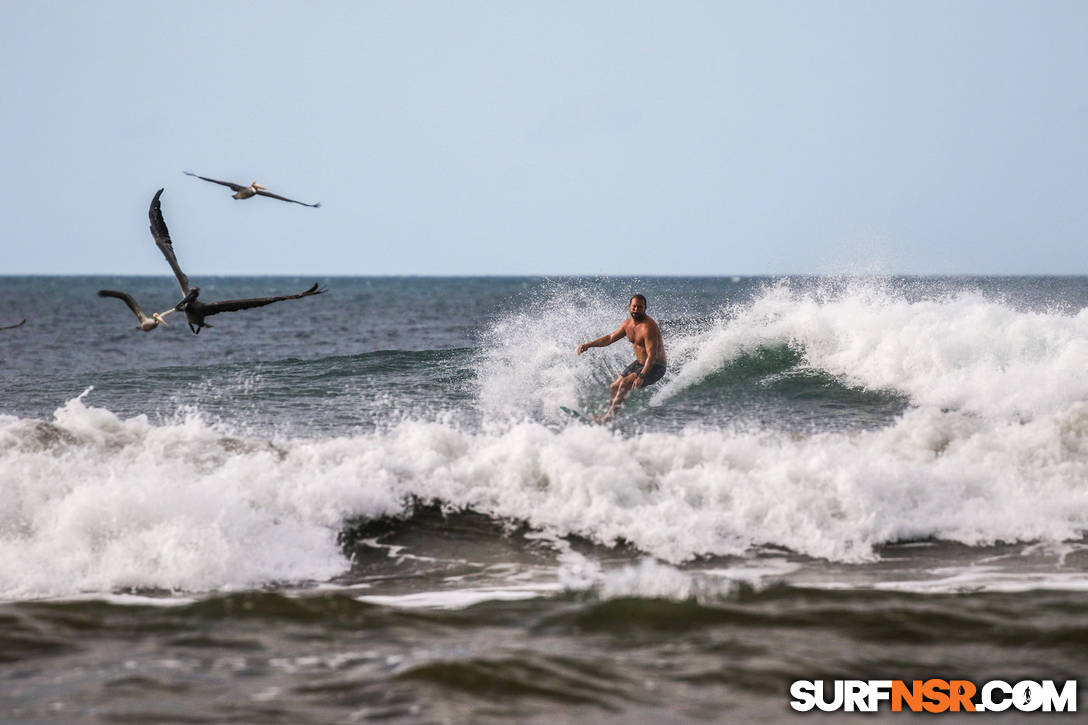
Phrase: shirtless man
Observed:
(649, 364)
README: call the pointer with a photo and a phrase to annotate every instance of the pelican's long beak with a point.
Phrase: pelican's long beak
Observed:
(160, 320)
(258, 186)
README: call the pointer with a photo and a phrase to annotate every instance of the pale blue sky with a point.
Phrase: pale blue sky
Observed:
(603, 138)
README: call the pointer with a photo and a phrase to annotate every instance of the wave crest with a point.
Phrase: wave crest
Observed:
(114, 503)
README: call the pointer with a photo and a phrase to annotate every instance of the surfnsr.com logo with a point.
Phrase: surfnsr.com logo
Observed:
(933, 695)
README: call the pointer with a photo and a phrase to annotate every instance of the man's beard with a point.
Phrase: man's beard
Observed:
(638, 316)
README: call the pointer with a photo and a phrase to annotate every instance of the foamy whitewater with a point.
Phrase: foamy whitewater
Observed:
(947, 413)
(369, 505)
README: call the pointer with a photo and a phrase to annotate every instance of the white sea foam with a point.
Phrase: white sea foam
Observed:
(653, 579)
(461, 598)
(96, 503)
(529, 367)
(959, 350)
(117, 503)
(995, 448)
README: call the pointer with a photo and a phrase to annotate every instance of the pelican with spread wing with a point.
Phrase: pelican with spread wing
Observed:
(254, 189)
(147, 322)
(194, 309)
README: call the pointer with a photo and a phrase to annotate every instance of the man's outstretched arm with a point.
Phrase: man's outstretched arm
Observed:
(604, 341)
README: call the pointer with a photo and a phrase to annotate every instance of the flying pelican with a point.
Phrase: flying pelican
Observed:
(12, 327)
(195, 310)
(254, 189)
(147, 323)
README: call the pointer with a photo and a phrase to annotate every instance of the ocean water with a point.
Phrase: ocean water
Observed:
(368, 506)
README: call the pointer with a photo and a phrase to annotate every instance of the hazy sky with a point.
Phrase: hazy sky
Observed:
(602, 138)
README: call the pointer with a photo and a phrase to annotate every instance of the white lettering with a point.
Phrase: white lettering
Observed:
(821, 700)
(879, 690)
(1027, 696)
(994, 696)
(996, 705)
(804, 695)
(855, 695)
(1064, 701)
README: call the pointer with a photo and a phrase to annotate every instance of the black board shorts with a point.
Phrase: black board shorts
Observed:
(655, 374)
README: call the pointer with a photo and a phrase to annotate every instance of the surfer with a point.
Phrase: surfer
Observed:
(649, 364)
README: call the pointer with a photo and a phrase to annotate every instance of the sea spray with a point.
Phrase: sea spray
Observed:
(968, 421)
(109, 503)
(956, 350)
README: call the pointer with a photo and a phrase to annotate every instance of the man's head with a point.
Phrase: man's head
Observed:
(637, 308)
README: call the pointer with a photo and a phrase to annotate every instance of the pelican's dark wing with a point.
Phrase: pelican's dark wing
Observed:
(213, 308)
(162, 239)
(284, 198)
(231, 184)
(12, 327)
(127, 299)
